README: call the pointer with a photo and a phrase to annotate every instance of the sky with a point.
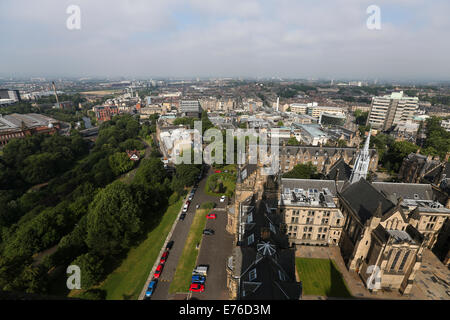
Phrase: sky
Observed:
(325, 39)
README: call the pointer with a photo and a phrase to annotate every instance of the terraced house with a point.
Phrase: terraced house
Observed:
(323, 158)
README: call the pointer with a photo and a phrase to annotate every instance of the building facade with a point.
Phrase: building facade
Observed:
(309, 210)
(16, 126)
(377, 241)
(390, 110)
(323, 158)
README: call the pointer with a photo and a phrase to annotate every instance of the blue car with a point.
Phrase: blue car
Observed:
(151, 288)
(198, 279)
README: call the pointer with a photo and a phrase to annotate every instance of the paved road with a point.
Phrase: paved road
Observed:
(214, 252)
(179, 237)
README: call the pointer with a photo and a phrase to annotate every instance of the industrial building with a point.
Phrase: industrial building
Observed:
(17, 126)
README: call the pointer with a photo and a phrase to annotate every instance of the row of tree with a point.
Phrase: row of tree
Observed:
(55, 215)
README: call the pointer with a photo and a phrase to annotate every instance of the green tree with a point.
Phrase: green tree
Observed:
(341, 143)
(293, 142)
(113, 220)
(92, 270)
(40, 168)
(302, 171)
(120, 163)
(151, 171)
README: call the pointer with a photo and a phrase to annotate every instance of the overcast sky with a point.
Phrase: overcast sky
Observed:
(221, 38)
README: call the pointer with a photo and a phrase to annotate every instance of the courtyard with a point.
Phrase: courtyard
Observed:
(320, 277)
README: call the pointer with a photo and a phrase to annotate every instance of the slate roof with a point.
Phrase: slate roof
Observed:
(410, 235)
(364, 200)
(435, 174)
(414, 191)
(322, 151)
(246, 171)
(340, 169)
(266, 266)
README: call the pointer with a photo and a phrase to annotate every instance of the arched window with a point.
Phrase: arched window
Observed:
(405, 258)
(397, 255)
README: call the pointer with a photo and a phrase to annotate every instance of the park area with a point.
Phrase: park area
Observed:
(223, 182)
(321, 277)
(125, 283)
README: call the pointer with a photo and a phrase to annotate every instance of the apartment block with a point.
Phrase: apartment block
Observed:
(390, 110)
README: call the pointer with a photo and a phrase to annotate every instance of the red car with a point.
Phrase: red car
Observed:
(218, 171)
(158, 271)
(164, 257)
(211, 216)
(197, 287)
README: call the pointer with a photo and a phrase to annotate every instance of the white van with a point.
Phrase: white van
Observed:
(201, 270)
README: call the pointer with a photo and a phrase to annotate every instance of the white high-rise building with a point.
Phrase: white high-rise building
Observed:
(390, 110)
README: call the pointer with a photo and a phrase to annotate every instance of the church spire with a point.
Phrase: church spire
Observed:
(362, 162)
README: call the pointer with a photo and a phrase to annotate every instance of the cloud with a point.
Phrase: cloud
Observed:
(284, 38)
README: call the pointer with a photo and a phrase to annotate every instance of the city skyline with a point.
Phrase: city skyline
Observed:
(248, 39)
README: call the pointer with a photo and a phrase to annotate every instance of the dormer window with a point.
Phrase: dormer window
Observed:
(272, 228)
(252, 275)
(251, 239)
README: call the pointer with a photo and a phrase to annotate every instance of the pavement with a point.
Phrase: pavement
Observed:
(213, 251)
(432, 281)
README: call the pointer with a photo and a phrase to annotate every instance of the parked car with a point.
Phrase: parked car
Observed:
(185, 208)
(182, 216)
(196, 278)
(190, 197)
(208, 232)
(201, 270)
(211, 216)
(151, 288)
(197, 206)
(197, 287)
(169, 245)
(164, 257)
(158, 271)
(222, 199)
(217, 171)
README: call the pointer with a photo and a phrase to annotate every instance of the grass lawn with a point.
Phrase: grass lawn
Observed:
(229, 183)
(321, 277)
(188, 259)
(127, 281)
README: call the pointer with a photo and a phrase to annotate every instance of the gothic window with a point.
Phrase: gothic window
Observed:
(395, 260)
(405, 258)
